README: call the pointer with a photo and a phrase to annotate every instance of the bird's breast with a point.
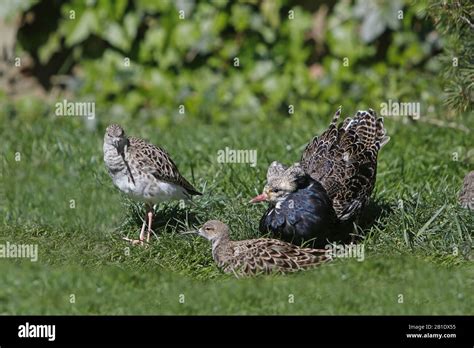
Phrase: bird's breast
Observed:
(124, 183)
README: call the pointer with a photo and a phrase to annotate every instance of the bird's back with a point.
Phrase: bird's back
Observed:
(344, 160)
(249, 257)
(150, 159)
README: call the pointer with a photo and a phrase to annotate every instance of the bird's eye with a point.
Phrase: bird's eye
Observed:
(207, 228)
(275, 190)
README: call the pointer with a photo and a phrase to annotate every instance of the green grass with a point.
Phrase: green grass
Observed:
(410, 247)
(350, 287)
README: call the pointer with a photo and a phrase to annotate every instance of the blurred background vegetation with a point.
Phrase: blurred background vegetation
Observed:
(236, 60)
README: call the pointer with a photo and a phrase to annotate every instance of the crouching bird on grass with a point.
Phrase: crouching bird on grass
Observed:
(466, 196)
(319, 198)
(143, 171)
(256, 256)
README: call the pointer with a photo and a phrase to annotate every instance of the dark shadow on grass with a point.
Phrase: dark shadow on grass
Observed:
(374, 211)
(166, 216)
(173, 216)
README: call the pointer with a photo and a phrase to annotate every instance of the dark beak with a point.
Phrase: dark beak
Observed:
(117, 147)
(120, 146)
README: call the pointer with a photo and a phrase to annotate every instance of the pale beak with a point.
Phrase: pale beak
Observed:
(190, 232)
(260, 198)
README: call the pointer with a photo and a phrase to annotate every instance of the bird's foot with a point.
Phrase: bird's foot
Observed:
(140, 242)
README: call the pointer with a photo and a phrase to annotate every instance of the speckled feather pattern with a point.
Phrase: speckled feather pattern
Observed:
(143, 170)
(344, 160)
(466, 195)
(153, 160)
(255, 256)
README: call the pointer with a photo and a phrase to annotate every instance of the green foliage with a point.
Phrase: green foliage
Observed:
(287, 55)
(454, 20)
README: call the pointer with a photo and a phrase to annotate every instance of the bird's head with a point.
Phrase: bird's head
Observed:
(281, 181)
(115, 136)
(214, 230)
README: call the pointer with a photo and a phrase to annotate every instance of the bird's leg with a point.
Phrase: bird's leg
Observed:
(140, 241)
(142, 232)
(150, 220)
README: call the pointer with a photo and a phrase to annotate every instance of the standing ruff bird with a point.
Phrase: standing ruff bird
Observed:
(332, 183)
(256, 256)
(143, 171)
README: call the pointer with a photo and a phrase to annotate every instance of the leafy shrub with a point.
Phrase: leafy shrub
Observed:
(312, 58)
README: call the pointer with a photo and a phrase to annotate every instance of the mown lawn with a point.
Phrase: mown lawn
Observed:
(418, 242)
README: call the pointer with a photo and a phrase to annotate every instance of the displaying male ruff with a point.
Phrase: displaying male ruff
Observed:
(255, 256)
(143, 171)
(300, 210)
(318, 199)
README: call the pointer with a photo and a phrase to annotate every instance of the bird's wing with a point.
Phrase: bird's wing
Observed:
(265, 255)
(270, 221)
(344, 160)
(156, 161)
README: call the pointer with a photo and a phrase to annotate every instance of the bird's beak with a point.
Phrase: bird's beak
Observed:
(116, 144)
(260, 198)
(190, 232)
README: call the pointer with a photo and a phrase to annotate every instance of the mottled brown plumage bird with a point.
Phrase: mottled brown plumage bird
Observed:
(344, 160)
(143, 171)
(466, 196)
(317, 199)
(255, 256)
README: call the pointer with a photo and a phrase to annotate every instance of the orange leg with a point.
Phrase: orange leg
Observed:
(141, 241)
(150, 219)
